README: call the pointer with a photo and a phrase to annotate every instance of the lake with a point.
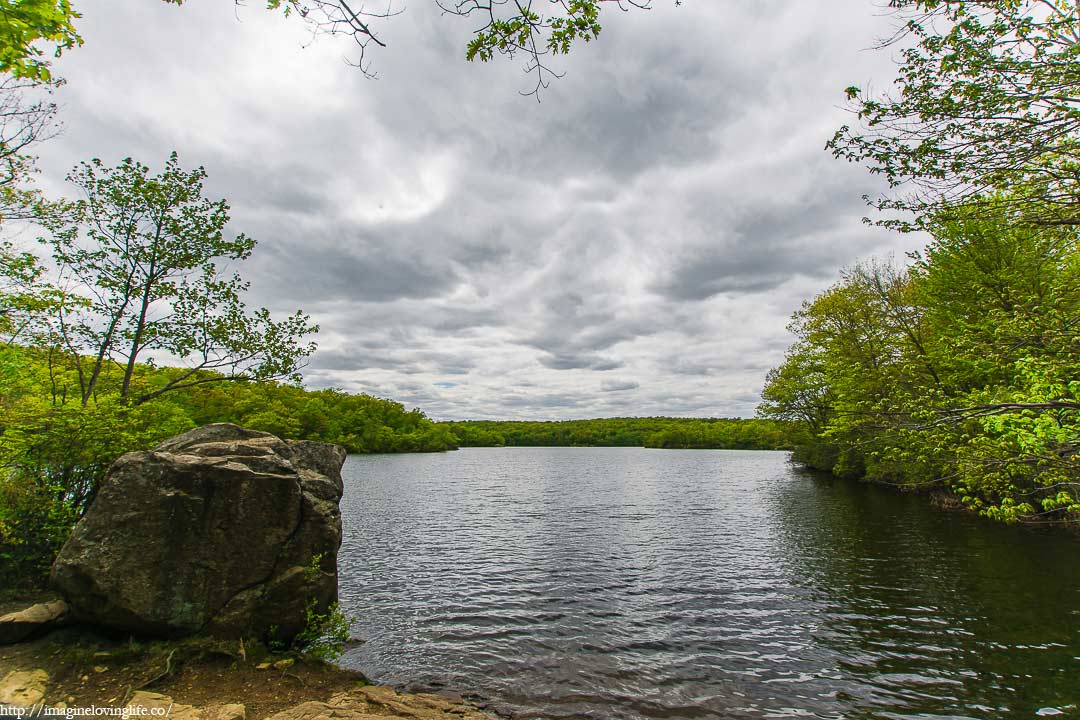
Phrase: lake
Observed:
(634, 583)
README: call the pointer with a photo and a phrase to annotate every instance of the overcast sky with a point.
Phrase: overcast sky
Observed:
(632, 245)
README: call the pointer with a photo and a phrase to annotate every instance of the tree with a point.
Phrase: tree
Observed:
(143, 252)
(25, 298)
(27, 118)
(797, 391)
(24, 26)
(959, 372)
(507, 27)
(987, 100)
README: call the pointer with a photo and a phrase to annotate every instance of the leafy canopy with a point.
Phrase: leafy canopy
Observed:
(986, 100)
(26, 25)
(959, 371)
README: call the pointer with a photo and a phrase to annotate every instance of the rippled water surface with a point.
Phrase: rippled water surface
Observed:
(633, 583)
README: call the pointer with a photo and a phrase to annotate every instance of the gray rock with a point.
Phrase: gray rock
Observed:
(374, 702)
(213, 531)
(34, 620)
(23, 688)
(143, 702)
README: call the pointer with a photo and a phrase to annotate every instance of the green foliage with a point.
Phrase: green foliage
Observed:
(984, 101)
(525, 31)
(657, 432)
(273, 639)
(958, 371)
(359, 423)
(314, 567)
(27, 117)
(27, 24)
(24, 296)
(54, 451)
(325, 633)
(139, 258)
(143, 253)
(34, 523)
(512, 29)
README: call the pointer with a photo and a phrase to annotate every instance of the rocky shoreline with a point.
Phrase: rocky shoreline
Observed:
(76, 671)
(201, 584)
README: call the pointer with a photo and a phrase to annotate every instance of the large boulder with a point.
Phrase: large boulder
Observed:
(221, 530)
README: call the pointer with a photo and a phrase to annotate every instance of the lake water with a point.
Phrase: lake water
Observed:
(634, 583)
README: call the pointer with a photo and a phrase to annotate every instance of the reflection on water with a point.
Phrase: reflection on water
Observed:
(633, 583)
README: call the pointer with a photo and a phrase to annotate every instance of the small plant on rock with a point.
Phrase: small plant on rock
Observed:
(274, 643)
(325, 634)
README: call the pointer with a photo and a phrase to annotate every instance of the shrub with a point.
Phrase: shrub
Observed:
(325, 634)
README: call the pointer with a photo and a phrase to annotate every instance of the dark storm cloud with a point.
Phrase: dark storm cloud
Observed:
(589, 332)
(456, 320)
(291, 188)
(690, 368)
(409, 320)
(661, 212)
(761, 246)
(629, 125)
(360, 359)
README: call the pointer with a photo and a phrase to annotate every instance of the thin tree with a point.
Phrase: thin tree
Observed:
(147, 253)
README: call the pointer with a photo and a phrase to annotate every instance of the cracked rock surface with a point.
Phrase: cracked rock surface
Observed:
(213, 531)
(23, 688)
(381, 703)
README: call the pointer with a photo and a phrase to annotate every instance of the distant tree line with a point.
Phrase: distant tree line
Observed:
(654, 432)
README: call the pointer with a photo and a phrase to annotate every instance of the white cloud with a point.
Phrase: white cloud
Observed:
(632, 245)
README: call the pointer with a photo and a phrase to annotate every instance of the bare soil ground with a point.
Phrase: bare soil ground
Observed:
(87, 668)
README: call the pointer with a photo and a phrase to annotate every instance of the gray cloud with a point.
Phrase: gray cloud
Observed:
(579, 362)
(748, 265)
(660, 214)
(353, 268)
(615, 386)
(542, 401)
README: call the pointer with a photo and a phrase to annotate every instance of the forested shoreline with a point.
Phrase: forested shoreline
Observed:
(654, 432)
(958, 371)
(637, 248)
